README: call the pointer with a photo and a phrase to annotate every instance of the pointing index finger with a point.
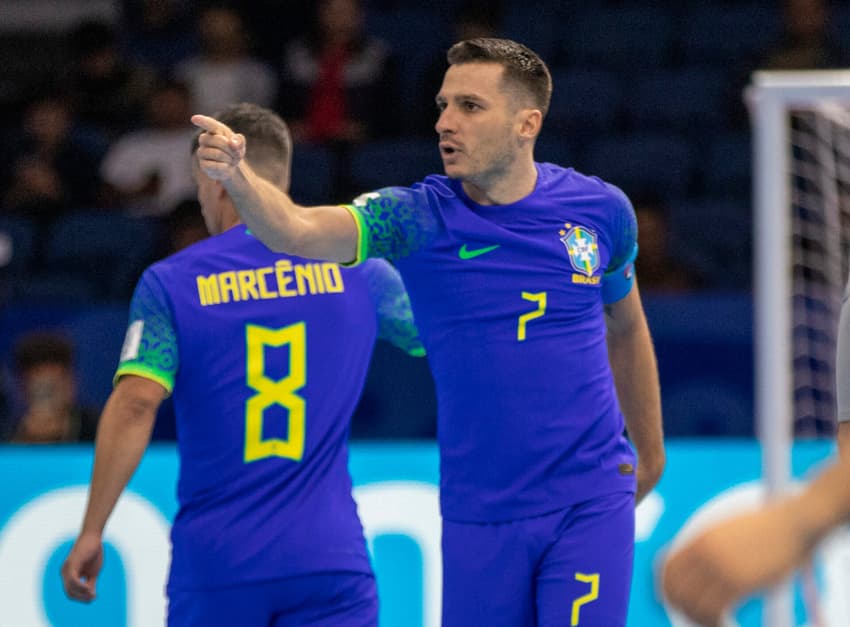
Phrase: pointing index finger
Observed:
(211, 125)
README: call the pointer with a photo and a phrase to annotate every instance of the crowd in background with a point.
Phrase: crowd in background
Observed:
(96, 182)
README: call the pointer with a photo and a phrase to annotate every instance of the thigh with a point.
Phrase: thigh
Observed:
(487, 575)
(340, 599)
(584, 578)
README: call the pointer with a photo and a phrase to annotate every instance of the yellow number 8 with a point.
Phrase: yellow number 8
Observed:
(270, 392)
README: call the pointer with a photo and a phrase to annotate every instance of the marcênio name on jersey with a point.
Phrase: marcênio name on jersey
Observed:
(283, 280)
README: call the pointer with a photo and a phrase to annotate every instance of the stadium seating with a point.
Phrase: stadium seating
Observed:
(624, 39)
(660, 162)
(726, 164)
(110, 248)
(689, 101)
(584, 102)
(727, 35)
(312, 174)
(394, 162)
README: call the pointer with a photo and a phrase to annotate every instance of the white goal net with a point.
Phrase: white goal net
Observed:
(801, 170)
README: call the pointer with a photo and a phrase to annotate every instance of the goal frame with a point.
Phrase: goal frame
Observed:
(770, 96)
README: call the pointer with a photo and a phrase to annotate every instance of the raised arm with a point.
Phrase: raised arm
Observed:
(633, 363)
(322, 232)
(122, 437)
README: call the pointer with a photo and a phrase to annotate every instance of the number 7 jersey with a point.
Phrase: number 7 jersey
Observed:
(509, 303)
(266, 356)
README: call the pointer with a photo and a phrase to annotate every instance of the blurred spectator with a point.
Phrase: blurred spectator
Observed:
(658, 270)
(806, 42)
(184, 226)
(473, 18)
(108, 92)
(148, 170)
(338, 83)
(44, 364)
(158, 33)
(225, 72)
(49, 169)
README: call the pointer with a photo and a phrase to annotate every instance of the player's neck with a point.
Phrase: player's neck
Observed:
(512, 186)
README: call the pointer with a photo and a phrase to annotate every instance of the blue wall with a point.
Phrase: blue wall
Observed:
(396, 488)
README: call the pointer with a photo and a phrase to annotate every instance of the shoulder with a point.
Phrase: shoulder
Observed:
(558, 178)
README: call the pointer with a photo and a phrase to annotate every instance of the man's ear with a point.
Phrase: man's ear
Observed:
(530, 122)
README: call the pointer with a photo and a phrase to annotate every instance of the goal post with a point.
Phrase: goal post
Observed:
(801, 204)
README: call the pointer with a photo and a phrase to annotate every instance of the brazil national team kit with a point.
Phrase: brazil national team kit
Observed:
(264, 490)
(537, 479)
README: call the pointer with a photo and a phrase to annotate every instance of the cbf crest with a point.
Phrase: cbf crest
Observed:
(581, 247)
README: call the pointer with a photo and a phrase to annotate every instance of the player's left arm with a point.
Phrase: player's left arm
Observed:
(633, 364)
(630, 348)
(395, 316)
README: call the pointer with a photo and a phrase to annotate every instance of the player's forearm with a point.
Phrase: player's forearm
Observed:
(284, 226)
(122, 437)
(824, 503)
(636, 378)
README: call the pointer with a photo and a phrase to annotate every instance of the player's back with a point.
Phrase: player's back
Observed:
(273, 352)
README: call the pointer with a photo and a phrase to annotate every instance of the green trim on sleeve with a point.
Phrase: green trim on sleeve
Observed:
(140, 370)
(362, 244)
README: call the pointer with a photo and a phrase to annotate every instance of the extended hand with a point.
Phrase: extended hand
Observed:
(82, 567)
(220, 150)
(732, 560)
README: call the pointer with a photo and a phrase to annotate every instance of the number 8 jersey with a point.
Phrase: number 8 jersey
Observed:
(266, 356)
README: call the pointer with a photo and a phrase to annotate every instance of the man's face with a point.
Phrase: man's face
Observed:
(478, 123)
(209, 197)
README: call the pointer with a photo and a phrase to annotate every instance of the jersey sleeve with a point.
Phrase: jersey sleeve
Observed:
(619, 275)
(395, 317)
(391, 222)
(842, 359)
(150, 344)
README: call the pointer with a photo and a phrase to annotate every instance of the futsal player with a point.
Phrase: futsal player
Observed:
(521, 279)
(265, 355)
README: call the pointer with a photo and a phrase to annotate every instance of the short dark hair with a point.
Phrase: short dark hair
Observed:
(36, 348)
(269, 144)
(523, 67)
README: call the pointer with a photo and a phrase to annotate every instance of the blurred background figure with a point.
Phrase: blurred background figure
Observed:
(225, 72)
(338, 83)
(49, 169)
(146, 170)
(658, 269)
(109, 92)
(183, 227)
(806, 42)
(51, 411)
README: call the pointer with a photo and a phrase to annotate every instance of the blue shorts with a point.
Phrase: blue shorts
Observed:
(343, 599)
(572, 568)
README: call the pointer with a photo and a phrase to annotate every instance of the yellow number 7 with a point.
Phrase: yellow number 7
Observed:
(534, 297)
(593, 580)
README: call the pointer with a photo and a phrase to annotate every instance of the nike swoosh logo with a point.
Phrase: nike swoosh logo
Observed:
(472, 253)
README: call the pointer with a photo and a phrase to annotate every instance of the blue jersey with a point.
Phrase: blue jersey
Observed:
(266, 355)
(509, 301)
